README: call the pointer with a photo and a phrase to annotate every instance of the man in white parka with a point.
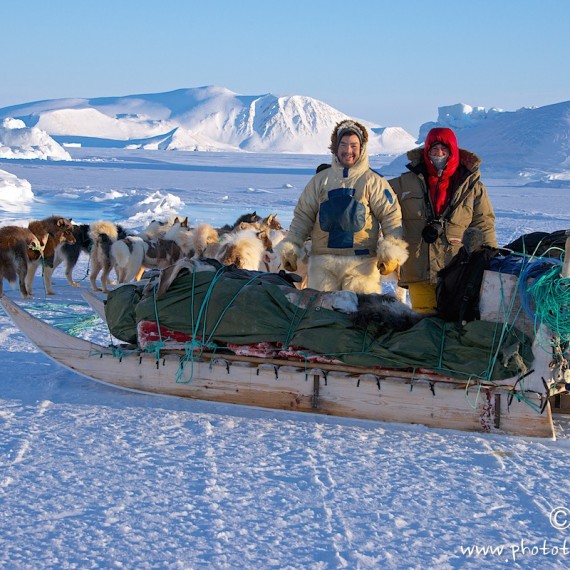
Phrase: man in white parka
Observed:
(352, 217)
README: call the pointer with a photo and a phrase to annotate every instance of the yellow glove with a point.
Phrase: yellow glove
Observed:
(289, 255)
(392, 252)
(388, 266)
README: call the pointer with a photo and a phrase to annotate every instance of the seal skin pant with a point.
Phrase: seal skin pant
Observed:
(358, 274)
(422, 297)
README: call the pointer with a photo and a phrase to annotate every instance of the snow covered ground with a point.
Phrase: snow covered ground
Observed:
(95, 477)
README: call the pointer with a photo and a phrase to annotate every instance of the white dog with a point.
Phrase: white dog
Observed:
(127, 256)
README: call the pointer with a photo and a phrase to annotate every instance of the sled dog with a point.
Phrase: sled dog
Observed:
(68, 253)
(18, 247)
(127, 256)
(182, 235)
(169, 242)
(52, 231)
(102, 233)
(246, 249)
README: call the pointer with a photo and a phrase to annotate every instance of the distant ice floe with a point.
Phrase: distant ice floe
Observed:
(15, 193)
(141, 210)
(19, 141)
(558, 180)
(457, 117)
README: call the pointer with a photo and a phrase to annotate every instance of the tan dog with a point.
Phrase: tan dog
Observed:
(103, 234)
(246, 249)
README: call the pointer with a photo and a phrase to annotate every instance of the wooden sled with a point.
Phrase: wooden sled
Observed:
(95, 302)
(379, 394)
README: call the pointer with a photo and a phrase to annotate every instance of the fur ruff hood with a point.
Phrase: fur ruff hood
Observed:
(348, 127)
(466, 158)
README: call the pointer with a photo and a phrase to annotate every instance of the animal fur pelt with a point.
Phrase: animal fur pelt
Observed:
(473, 240)
(378, 313)
(18, 247)
(341, 301)
(50, 231)
(170, 273)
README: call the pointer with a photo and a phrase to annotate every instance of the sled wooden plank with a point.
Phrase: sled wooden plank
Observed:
(389, 397)
(97, 304)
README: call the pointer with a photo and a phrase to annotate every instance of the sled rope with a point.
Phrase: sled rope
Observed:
(190, 351)
(71, 325)
(294, 326)
(551, 296)
(83, 324)
(228, 305)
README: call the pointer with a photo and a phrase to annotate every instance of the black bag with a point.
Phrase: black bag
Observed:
(459, 284)
(539, 243)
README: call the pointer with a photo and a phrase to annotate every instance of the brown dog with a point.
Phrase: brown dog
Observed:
(51, 231)
(18, 248)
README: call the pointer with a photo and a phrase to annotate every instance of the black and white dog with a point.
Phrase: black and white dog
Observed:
(69, 252)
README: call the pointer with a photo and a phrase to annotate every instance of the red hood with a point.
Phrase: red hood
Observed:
(447, 137)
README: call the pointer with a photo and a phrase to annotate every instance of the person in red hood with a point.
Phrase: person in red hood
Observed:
(441, 196)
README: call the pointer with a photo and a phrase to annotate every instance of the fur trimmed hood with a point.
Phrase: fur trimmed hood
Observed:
(468, 159)
(348, 127)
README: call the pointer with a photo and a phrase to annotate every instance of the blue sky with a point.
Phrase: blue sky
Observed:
(390, 62)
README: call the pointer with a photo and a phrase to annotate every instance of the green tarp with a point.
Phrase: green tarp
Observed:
(220, 309)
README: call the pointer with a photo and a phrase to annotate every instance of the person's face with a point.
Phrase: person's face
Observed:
(438, 150)
(348, 150)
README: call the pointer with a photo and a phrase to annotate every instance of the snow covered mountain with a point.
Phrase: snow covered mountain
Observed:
(203, 118)
(531, 142)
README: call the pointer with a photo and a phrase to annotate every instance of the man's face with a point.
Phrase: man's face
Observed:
(438, 150)
(348, 150)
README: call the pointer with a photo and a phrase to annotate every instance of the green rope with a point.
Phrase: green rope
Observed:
(477, 395)
(551, 296)
(292, 326)
(441, 347)
(194, 348)
(83, 324)
(155, 306)
(521, 397)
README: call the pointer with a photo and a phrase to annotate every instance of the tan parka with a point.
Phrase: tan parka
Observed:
(470, 207)
(341, 208)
